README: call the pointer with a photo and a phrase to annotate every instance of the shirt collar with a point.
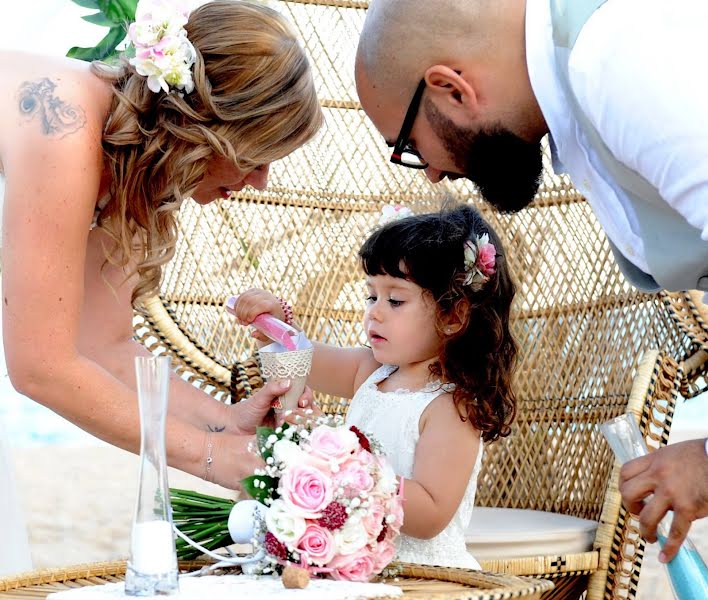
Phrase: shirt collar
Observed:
(541, 64)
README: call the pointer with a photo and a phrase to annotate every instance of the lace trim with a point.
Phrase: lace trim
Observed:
(279, 365)
(385, 371)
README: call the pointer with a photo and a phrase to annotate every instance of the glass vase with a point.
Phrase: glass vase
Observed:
(687, 571)
(152, 565)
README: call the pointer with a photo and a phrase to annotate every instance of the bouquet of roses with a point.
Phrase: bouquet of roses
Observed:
(327, 501)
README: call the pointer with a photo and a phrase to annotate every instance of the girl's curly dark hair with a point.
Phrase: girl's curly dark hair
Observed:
(479, 359)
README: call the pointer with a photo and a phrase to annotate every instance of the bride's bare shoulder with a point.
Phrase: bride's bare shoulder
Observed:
(50, 99)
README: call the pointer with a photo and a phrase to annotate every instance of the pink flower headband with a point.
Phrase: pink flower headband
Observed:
(163, 53)
(480, 260)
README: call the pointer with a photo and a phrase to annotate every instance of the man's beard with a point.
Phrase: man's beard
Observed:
(506, 169)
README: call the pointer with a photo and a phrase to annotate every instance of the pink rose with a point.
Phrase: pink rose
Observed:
(358, 566)
(365, 458)
(305, 490)
(333, 443)
(354, 477)
(383, 555)
(487, 258)
(318, 544)
(373, 521)
(394, 516)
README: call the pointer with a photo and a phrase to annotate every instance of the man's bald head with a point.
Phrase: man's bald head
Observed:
(402, 38)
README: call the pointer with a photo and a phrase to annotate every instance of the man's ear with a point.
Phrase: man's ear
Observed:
(450, 87)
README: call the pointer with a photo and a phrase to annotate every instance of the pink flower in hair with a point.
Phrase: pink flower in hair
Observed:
(480, 257)
(487, 258)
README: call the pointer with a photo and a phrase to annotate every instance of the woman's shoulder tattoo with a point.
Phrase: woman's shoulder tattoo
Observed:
(38, 101)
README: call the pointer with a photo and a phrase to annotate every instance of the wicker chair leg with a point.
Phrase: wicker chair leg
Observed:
(652, 401)
(567, 587)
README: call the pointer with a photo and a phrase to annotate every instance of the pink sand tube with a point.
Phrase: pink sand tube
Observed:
(269, 326)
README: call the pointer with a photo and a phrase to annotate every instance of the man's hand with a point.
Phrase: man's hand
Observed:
(677, 475)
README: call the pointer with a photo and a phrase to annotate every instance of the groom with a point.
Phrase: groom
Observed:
(468, 89)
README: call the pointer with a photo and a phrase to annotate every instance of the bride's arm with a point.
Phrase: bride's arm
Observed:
(444, 459)
(51, 188)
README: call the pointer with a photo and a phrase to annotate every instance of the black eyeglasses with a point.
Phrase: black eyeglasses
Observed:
(404, 153)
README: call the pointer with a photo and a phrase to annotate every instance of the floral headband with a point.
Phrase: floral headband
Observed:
(480, 260)
(163, 53)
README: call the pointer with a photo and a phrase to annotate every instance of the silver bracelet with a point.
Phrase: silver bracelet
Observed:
(209, 458)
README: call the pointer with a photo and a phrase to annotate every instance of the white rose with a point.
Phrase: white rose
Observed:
(352, 536)
(284, 525)
(287, 452)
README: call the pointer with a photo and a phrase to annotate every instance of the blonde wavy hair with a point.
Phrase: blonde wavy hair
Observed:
(254, 102)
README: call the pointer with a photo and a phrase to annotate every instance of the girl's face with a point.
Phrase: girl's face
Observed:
(400, 321)
(223, 177)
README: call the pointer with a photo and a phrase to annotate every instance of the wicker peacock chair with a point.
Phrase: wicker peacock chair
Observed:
(582, 329)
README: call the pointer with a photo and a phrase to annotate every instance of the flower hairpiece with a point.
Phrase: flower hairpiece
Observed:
(394, 212)
(163, 53)
(480, 260)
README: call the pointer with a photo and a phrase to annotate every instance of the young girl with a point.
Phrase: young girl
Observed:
(436, 380)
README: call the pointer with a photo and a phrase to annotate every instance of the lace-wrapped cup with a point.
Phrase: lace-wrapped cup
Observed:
(294, 365)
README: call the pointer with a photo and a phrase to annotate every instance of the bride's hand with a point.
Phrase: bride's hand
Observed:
(247, 415)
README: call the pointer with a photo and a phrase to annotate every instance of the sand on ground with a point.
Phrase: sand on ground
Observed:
(79, 502)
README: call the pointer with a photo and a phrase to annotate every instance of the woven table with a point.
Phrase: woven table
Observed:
(417, 582)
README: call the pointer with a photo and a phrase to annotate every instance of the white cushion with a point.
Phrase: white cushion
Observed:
(499, 533)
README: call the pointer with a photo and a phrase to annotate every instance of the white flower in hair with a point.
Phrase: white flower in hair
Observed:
(163, 53)
(394, 212)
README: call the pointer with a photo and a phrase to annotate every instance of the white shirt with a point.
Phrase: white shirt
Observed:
(638, 70)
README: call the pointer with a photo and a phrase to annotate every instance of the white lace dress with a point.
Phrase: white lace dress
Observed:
(392, 418)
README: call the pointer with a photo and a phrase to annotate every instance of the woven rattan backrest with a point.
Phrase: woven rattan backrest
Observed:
(581, 328)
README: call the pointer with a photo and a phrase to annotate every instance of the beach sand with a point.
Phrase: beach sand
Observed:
(79, 502)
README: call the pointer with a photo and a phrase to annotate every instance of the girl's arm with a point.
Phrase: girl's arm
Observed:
(337, 371)
(444, 459)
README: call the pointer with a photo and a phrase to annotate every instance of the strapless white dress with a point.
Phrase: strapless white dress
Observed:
(392, 418)
(14, 545)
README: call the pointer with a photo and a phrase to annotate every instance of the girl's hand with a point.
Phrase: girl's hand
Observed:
(254, 302)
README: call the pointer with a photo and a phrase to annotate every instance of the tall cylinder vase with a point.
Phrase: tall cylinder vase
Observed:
(152, 566)
(687, 571)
